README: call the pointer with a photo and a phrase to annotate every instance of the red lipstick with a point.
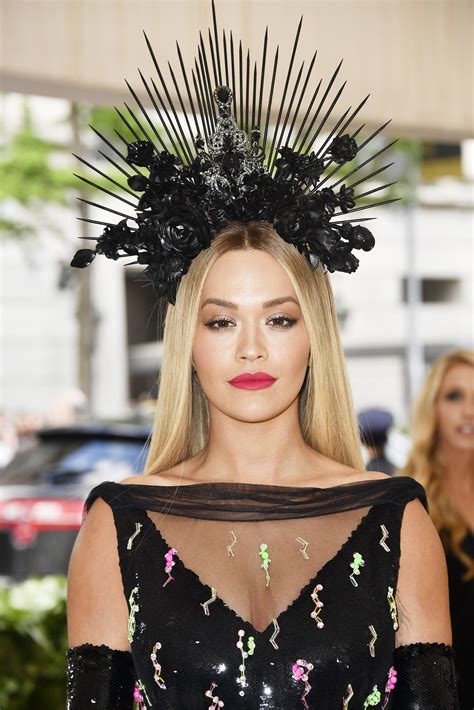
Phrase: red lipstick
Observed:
(253, 381)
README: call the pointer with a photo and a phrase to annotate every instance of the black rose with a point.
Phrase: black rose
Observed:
(342, 149)
(137, 182)
(289, 164)
(114, 238)
(164, 167)
(342, 259)
(311, 169)
(323, 241)
(329, 199)
(186, 232)
(140, 153)
(362, 238)
(346, 198)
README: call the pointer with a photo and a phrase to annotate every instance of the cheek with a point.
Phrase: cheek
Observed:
(447, 417)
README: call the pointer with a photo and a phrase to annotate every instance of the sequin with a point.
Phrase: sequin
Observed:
(299, 673)
(316, 613)
(372, 641)
(382, 542)
(392, 606)
(170, 563)
(389, 685)
(138, 527)
(138, 697)
(355, 565)
(131, 616)
(205, 605)
(157, 675)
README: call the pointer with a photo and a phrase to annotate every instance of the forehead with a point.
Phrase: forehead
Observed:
(459, 375)
(247, 275)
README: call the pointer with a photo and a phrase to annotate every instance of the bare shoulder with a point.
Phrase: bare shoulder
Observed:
(356, 476)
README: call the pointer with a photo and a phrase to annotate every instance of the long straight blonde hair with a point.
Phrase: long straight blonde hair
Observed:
(181, 425)
(424, 462)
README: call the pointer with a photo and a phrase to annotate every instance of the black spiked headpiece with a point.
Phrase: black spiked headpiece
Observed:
(225, 168)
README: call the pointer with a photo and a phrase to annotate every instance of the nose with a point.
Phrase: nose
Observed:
(250, 346)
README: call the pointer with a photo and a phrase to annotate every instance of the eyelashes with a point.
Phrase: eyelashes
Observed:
(278, 322)
(454, 395)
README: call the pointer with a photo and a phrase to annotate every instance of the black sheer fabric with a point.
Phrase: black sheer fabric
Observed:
(100, 677)
(258, 596)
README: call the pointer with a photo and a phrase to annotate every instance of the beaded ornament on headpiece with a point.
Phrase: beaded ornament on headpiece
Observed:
(222, 169)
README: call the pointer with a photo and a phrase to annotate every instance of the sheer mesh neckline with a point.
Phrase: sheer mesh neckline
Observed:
(255, 501)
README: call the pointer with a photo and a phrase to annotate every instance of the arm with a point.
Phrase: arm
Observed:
(100, 670)
(423, 656)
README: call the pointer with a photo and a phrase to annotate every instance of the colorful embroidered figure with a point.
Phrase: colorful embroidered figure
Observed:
(245, 654)
(346, 700)
(383, 538)
(265, 561)
(315, 614)
(170, 563)
(389, 686)
(373, 698)
(216, 703)
(157, 675)
(372, 641)
(233, 538)
(138, 697)
(205, 605)
(276, 631)
(304, 544)
(131, 616)
(138, 527)
(357, 563)
(299, 673)
(392, 606)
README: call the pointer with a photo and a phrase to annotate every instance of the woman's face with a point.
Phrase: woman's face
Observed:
(455, 407)
(250, 327)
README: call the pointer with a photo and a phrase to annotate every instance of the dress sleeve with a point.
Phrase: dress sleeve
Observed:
(99, 676)
(426, 678)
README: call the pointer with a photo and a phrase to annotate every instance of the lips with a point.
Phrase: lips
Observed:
(253, 381)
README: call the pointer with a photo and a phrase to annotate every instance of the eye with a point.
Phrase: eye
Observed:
(219, 323)
(282, 321)
(454, 395)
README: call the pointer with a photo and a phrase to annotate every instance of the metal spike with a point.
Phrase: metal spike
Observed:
(375, 133)
(262, 77)
(307, 113)
(285, 90)
(359, 167)
(297, 109)
(130, 128)
(94, 221)
(157, 109)
(143, 110)
(202, 112)
(375, 189)
(254, 94)
(116, 165)
(207, 76)
(247, 90)
(371, 175)
(232, 66)
(213, 58)
(241, 87)
(331, 133)
(185, 148)
(368, 207)
(224, 42)
(188, 90)
(107, 209)
(108, 192)
(285, 121)
(216, 41)
(171, 123)
(321, 103)
(351, 221)
(352, 116)
(325, 118)
(206, 89)
(104, 175)
(270, 99)
(181, 103)
(132, 114)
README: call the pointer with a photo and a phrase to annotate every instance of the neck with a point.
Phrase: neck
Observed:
(374, 451)
(257, 452)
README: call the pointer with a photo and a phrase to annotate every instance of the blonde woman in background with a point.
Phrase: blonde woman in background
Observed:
(442, 460)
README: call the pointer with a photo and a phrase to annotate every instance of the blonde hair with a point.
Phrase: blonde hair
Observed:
(424, 462)
(326, 413)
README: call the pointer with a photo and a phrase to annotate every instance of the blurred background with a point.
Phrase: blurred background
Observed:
(81, 350)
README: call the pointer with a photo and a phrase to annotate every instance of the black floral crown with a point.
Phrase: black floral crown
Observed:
(222, 169)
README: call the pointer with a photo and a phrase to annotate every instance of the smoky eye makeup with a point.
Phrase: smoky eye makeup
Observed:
(453, 395)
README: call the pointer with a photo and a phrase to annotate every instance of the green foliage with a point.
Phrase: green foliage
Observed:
(33, 643)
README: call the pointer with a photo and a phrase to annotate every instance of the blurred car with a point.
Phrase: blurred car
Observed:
(43, 489)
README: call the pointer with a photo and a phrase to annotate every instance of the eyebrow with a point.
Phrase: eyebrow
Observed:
(234, 306)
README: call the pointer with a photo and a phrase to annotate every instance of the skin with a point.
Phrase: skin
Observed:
(455, 412)
(254, 437)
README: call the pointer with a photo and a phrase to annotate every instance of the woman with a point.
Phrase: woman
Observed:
(441, 459)
(255, 564)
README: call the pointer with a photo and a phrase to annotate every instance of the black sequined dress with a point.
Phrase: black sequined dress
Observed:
(261, 596)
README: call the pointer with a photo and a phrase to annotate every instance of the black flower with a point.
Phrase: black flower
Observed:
(114, 238)
(362, 238)
(164, 167)
(140, 153)
(342, 149)
(83, 258)
(346, 198)
(186, 232)
(137, 182)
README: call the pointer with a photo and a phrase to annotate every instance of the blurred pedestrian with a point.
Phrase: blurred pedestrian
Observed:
(441, 459)
(374, 425)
